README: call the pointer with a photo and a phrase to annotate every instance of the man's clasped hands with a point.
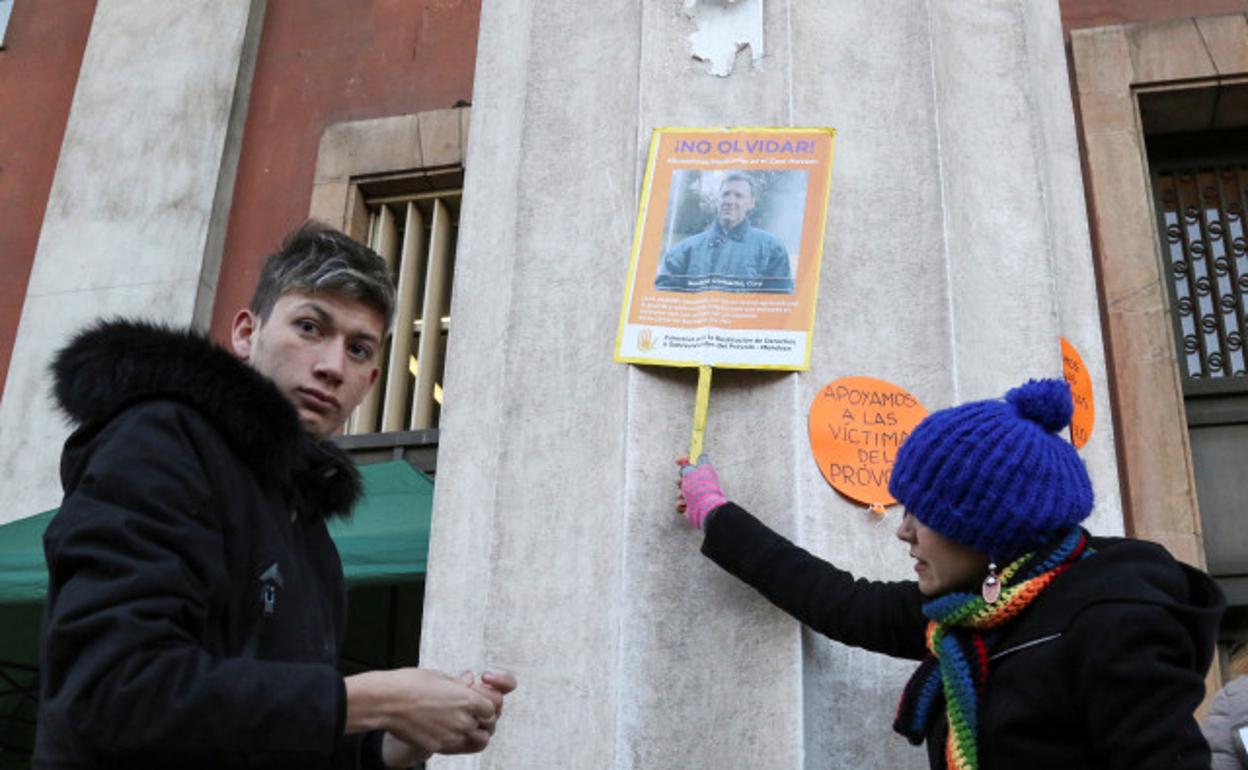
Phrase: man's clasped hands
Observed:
(426, 712)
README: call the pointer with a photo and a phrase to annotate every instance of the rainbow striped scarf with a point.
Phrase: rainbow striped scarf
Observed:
(961, 629)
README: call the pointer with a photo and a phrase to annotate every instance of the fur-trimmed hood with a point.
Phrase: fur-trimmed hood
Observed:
(116, 364)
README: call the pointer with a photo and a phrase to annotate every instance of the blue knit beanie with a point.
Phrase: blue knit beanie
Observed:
(994, 475)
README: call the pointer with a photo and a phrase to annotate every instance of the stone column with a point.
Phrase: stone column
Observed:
(136, 216)
(956, 253)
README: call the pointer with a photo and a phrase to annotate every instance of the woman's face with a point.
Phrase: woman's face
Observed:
(941, 564)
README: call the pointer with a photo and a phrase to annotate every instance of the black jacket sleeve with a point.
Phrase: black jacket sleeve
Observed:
(877, 616)
(136, 560)
(1136, 676)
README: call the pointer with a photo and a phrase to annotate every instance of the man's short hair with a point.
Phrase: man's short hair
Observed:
(737, 176)
(318, 259)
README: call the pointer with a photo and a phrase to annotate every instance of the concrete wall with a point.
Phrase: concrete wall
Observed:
(136, 213)
(956, 254)
(38, 71)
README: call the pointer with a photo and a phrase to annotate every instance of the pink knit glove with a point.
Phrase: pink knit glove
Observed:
(699, 490)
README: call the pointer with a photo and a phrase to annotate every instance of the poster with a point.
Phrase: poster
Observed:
(1083, 418)
(727, 248)
(856, 426)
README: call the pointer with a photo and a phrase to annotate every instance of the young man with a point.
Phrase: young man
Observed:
(196, 600)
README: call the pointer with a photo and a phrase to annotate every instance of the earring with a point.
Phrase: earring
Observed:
(991, 589)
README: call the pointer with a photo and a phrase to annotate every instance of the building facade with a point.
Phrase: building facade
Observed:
(1007, 173)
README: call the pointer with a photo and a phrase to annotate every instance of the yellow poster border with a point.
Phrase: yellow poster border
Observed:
(639, 228)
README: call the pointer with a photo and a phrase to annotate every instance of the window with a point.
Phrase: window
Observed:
(1200, 192)
(412, 223)
(395, 184)
(1200, 206)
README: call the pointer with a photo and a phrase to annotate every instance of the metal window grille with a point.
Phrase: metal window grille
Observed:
(1200, 208)
(416, 235)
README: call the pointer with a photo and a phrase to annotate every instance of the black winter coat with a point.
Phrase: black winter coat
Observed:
(1103, 671)
(196, 601)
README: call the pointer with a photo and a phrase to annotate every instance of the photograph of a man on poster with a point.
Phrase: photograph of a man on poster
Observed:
(732, 231)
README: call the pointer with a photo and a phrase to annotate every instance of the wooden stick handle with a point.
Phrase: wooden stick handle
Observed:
(699, 413)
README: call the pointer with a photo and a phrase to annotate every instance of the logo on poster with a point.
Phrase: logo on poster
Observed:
(645, 340)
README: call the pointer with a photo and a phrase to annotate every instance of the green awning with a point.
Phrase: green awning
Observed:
(23, 574)
(385, 541)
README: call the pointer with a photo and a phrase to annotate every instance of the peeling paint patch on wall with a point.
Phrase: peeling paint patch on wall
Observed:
(725, 27)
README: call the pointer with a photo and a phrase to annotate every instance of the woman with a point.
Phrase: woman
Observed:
(1228, 717)
(1041, 646)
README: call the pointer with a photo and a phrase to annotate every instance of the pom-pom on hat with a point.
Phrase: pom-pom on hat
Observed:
(994, 475)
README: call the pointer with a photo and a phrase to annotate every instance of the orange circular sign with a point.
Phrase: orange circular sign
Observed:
(856, 426)
(1076, 374)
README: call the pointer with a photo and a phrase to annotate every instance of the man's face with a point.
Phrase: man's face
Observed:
(736, 200)
(321, 350)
